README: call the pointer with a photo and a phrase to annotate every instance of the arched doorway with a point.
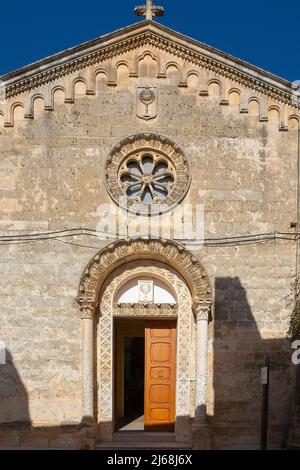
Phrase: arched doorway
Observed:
(145, 343)
(109, 277)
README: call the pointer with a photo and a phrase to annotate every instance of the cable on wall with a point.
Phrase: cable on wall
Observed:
(59, 235)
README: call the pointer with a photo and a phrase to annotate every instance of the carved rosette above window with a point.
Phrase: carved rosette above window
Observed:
(147, 174)
(140, 310)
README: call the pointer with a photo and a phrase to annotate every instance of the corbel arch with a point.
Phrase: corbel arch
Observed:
(149, 71)
(54, 90)
(78, 81)
(30, 111)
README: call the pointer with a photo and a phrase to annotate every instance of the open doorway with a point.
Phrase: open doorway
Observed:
(145, 375)
(130, 373)
(134, 379)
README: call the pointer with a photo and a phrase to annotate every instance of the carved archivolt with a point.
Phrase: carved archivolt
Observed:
(184, 337)
(123, 251)
(147, 174)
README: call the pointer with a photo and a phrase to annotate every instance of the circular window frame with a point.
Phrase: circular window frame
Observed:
(142, 144)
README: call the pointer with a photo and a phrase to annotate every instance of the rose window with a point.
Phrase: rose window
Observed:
(147, 174)
(147, 178)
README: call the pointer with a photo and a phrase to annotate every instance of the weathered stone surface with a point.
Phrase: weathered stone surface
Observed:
(52, 177)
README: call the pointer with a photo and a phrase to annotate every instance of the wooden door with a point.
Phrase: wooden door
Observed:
(160, 375)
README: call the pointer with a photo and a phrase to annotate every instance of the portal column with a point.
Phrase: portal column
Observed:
(201, 433)
(87, 321)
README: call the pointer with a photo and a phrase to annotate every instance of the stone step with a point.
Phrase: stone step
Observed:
(141, 436)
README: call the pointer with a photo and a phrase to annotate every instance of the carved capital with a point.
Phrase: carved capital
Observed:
(202, 310)
(87, 311)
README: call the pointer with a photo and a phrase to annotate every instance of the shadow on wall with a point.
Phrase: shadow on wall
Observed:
(16, 429)
(239, 353)
(294, 437)
(13, 395)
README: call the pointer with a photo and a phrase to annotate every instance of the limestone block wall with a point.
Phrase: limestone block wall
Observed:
(52, 177)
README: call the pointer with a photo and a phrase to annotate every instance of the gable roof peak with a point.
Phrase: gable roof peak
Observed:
(135, 35)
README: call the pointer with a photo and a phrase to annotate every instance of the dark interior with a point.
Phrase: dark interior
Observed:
(134, 376)
(134, 370)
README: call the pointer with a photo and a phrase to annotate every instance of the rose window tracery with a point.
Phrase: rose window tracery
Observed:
(147, 177)
(147, 174)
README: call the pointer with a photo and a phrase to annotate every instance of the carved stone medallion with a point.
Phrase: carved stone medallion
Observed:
(145, 289)
(147, 102)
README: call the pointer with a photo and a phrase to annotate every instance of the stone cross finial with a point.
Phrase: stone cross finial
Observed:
(149, 11)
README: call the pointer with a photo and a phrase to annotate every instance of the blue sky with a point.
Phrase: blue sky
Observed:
(262, 32)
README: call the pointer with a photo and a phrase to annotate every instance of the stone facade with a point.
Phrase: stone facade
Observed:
(238, 129)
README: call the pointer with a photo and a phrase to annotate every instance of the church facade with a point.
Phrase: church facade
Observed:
(149, 204)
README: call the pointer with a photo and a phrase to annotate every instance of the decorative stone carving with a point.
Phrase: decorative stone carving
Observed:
(121, 251)
(150, 35)
(147, 103)
(202, 310)
(146, 292)
(87, 311)
(105, 340)
(110, 269)
(87, 369)
(146, 310)
(147, 173)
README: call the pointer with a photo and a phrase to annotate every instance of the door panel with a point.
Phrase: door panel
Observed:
(160, 379)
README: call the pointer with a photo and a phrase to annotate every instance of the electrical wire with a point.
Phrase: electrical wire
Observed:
(58, 235)
(76, 244)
